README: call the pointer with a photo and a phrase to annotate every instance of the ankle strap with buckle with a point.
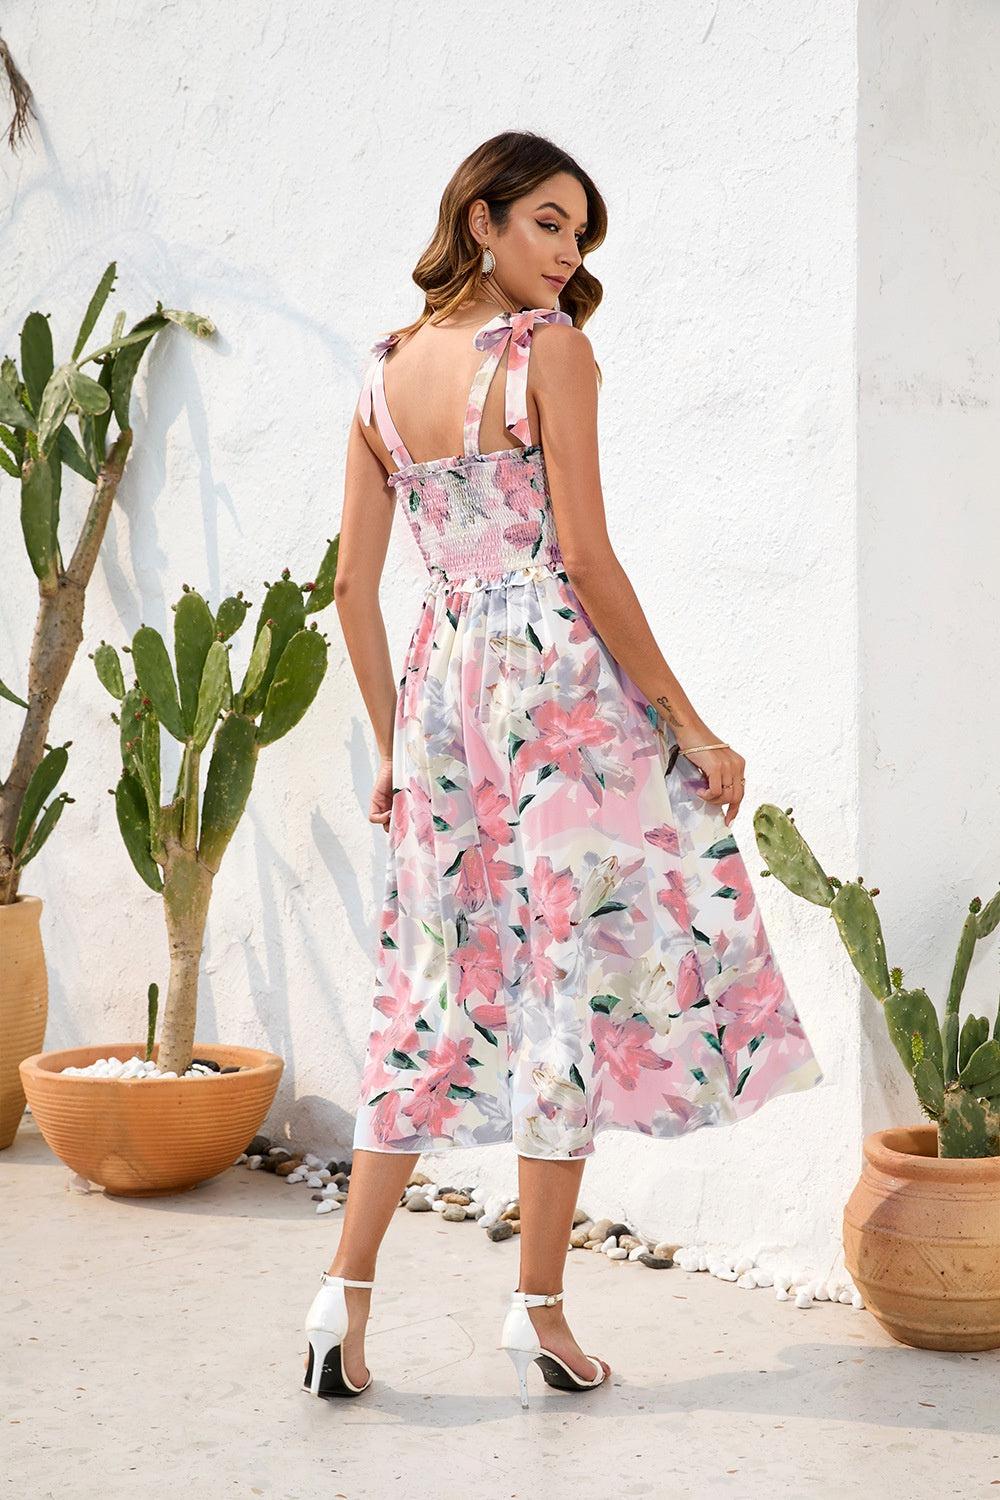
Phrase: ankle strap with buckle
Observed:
(538, 1299)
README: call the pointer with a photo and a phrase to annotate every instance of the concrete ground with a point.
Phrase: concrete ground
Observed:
(156, 1344)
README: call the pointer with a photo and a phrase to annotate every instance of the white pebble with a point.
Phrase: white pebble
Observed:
(312, 1161)
(617, 1252)
(314, 1180)
(79, 1183)
(438, 1206)
(782, 1279)
(762, 1277)
(725, 1274)
(240, 1159)
(296, 1177)
(803, 1298)
(746, 1280)
(846, 1295)
(639, 1250)
(325, 1176)
(780, 1295)
(745, 1263)
(609, 1244)
(857, 1300)
(253, 1162)
(327, 1206)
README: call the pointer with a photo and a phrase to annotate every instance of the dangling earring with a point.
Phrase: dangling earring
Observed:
(489, 261)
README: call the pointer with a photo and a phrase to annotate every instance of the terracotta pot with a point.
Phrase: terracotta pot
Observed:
(24, 1004)
(922, 1241)
(156, 1135)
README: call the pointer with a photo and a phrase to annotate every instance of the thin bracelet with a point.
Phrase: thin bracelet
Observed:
(722, 745)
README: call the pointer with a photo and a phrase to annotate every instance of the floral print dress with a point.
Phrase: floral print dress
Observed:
(568, 940)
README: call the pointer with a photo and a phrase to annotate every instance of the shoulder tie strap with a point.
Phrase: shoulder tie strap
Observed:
(372, 397)
(515, 328)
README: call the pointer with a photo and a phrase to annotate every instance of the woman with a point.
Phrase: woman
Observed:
(569, 941)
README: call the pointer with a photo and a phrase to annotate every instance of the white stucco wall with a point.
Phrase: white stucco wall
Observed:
(928, 492)
(279, 171)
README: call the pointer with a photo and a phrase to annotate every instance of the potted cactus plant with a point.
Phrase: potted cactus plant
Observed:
(37, 404)
(160, 1131)
(922, 1226)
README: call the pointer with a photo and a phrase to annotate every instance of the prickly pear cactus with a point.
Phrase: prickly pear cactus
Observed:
(177, 846)
(955, 1068)
(788, 856)
(38, 404)
(968, 1126)
(861, 933)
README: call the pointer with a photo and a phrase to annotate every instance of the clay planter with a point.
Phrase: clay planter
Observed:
(155, 1135)
(24, 1004)
(922, 1241)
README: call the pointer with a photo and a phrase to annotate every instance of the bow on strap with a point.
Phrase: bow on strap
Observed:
(517, 328)
(377, 350)
(518, 325)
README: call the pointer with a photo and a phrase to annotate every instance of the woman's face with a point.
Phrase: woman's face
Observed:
(539, 250)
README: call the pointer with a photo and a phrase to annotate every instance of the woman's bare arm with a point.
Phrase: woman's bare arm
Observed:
(365, 526)
(564, 386)
(565, 391)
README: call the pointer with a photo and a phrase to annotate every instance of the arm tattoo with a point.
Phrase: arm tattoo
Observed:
(668, 711)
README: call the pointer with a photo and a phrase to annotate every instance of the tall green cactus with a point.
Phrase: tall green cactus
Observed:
(177, 846)
(955, 1071)
(37, 404)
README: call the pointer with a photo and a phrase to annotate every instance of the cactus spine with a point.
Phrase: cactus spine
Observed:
(178, 846)
(955, 1070)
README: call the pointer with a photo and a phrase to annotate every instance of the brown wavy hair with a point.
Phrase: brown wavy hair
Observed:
(449, 272)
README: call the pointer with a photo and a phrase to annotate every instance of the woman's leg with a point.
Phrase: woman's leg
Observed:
(548, 1194)
(377, 1182)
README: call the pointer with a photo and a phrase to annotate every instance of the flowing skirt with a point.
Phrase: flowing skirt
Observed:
(568, 942)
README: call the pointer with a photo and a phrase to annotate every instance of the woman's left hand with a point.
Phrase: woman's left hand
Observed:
(381, 805)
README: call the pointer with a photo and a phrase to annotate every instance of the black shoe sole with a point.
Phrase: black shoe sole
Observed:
(331, 1380)
(562, 1379)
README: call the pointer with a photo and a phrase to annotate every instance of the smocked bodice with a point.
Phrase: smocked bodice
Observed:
(477, 518)
(480, 517)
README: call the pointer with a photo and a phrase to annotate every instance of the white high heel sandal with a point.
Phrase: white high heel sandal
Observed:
(520, 1339)
(326, 1327)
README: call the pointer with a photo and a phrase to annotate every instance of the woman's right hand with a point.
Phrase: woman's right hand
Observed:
(380, 810)
(723, 768)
